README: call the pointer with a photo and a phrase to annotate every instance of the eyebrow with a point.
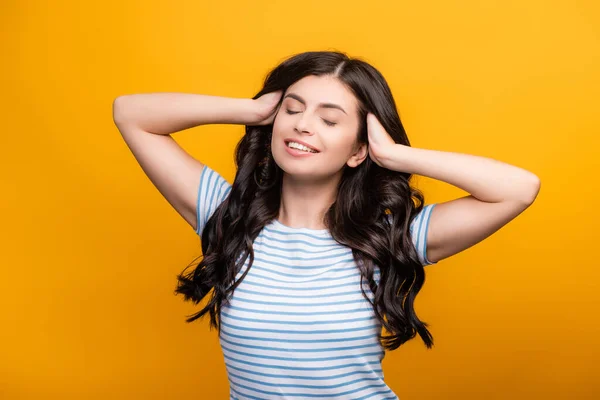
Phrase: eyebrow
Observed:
(323, 105)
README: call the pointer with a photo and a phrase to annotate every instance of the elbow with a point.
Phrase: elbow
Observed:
(531, 190)
(118, 109)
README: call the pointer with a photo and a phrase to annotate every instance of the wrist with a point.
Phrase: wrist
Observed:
(249, 111)
(396, 158)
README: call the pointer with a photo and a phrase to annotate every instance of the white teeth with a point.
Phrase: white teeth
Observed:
(298, 146)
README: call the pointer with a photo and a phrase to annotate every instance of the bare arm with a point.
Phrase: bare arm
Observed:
(146, 122)
(498, 192)
(166, 113)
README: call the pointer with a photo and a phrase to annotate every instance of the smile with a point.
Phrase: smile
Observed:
(298, 150)
(301, 147)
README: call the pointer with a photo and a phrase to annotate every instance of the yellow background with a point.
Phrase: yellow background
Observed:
(91, 249)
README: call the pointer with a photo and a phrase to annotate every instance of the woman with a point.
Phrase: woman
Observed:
(320, 242)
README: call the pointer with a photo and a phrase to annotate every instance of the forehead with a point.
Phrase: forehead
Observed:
(323, 89)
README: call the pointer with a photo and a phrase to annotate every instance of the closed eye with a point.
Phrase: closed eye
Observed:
(324, 120)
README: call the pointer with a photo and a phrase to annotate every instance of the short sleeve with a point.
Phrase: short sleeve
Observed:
(212, 190)
(418, 230)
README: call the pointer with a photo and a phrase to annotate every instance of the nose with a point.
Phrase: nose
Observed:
(302, 124)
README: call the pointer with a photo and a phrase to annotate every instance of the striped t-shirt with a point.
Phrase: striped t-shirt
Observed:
(298, 326)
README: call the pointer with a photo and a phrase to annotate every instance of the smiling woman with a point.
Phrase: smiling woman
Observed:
(306, 298)
(315, 254)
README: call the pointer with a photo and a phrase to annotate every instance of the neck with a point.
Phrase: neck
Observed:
(304, 203)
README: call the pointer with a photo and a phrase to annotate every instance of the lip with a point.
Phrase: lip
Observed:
(285, 142)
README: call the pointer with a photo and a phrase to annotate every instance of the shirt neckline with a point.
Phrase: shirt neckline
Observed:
(279, 225)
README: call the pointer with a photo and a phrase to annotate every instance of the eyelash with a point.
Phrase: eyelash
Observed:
(324, 120)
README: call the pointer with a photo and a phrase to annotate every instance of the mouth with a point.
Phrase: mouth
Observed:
(299, 147)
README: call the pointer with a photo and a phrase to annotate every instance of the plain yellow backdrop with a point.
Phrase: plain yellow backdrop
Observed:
(91, 249)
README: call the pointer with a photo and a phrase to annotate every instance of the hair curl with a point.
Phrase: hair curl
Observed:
(356, 219)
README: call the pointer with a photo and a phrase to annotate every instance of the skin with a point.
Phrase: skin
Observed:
(309, 184)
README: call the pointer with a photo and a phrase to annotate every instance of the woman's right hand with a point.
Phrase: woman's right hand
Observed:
(266, 108)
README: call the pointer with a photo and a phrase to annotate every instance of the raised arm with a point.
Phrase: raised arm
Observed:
(498, 192)
(146, 122)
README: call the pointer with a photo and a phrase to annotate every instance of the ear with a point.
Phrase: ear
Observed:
(358, 156)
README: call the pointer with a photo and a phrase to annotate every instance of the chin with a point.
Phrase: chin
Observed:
(291, 166)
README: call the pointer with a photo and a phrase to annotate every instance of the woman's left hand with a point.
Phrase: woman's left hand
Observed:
(381, 144)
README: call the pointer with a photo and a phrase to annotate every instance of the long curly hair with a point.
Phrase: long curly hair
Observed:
(371, 214)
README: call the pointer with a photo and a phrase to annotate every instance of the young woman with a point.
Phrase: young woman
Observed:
(320, 242)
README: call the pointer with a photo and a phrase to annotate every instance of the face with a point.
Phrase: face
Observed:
(321, 113)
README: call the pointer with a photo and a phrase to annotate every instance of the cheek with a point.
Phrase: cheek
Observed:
(277, 133)
(278, 126)
(341, 144)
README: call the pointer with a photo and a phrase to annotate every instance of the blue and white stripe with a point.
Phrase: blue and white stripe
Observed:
(418, 231)
(212, 191)
(298, 326)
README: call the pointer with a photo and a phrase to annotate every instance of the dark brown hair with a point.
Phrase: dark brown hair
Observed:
(356, 219)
